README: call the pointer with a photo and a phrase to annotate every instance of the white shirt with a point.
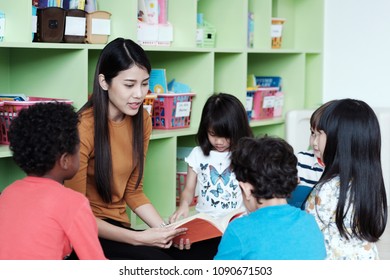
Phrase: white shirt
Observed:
(217, 187)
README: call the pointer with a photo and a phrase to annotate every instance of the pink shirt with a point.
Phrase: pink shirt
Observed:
(41, 219)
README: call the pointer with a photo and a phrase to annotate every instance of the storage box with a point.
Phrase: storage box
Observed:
(278, 106)
(51, 24)
(98, 27)
(75, 26)
(10, 110)
(263, 103)
(180, 184)
(172, 110)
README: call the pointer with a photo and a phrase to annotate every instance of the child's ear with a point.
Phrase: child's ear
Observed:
(246, 190)
(64, 161)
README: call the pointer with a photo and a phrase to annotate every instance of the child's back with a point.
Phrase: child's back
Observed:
(349, 201)
(280, 232)
(274, 230)
(39, 217)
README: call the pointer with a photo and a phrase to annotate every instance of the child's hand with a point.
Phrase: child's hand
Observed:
(182, 211)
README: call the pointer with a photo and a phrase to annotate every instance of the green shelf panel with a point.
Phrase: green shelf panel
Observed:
(9, 172)
(271, 130)
(291, 67)
(160, 175)
(53, 73)
(182, 16)
(313, 81)
(5, 70)
(262, 10)
(226, 77)
(229, 20)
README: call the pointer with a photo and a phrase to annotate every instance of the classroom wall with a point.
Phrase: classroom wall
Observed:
(357, 51)
(357, 60)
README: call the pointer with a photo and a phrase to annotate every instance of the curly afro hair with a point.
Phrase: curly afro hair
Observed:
(268, 164)
(41, 134)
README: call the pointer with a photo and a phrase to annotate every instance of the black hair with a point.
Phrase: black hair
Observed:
(353, 152)
(315, 117)
(225, 116)
(268, 164)
(118, 55)
(41, 133)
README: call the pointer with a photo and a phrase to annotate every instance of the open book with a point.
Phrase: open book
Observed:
(202, 226)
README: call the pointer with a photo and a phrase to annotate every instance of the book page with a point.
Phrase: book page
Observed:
(202, 226)
(199, 216)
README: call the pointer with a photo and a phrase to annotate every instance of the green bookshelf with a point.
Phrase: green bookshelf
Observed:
(63, 70)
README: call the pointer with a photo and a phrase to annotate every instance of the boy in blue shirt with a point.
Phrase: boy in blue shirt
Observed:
(273, 230)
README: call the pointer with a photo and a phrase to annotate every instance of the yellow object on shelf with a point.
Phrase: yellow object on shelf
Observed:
(276, 32)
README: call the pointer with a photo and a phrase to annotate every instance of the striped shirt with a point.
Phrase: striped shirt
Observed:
(309, 168)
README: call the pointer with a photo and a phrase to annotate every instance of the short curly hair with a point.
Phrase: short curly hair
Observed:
(268, 164)
(41, 133)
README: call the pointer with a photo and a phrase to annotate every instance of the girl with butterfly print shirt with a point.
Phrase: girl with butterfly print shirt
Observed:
(223, 122)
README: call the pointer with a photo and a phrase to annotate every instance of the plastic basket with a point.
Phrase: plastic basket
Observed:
(180, 183)
(263, 103)
(148, 103)
(10, 110)
(172, 110)
(279, 102)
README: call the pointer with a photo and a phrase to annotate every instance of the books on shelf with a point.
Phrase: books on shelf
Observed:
(158, 81)
(202, 226)
(13, 97)
(65, 4)
(269, 81)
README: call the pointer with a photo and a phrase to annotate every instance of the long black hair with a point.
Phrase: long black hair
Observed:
(353, 152)
(118, 55)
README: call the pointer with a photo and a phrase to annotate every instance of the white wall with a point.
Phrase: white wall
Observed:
(357, 60)
(357, 51)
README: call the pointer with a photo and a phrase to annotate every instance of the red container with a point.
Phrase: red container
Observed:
(263, 103)
(172, 110)
(10, 110)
